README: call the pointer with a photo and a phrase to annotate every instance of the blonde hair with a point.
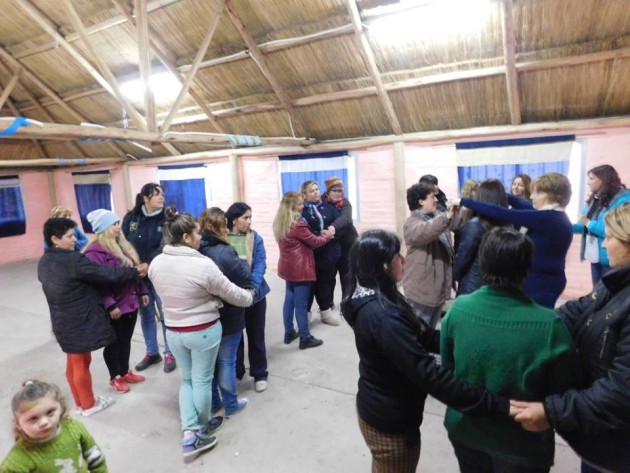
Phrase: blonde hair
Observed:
(214, 221)
(118, 246)
(305, 187)
(31, 392)
(556, 186)
(286, 215)
(618, 223)
(60, 212)
(469, 188)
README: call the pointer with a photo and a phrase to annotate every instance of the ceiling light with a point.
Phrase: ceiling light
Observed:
(164, 85)
(427, 21)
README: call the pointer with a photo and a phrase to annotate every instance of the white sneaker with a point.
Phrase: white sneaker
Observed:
(101, 403)
(260, 386)
(328, 317)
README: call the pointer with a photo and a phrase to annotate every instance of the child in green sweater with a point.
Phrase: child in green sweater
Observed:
(498, 338)
(47, 441)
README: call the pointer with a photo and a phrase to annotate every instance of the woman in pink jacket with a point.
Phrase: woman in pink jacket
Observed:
(297, 266)
(109, 247)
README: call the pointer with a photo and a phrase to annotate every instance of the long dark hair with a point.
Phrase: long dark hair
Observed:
(491, 191)
(370, 255)
(611, 184)
(147, 191)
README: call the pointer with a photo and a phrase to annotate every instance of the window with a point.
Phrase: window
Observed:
(184, 187)
(12, 215)
(295, 169)
(93, 191)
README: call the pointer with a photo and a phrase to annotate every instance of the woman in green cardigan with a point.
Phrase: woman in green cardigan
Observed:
(498, 338)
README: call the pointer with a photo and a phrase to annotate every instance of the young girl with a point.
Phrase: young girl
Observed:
(297, 266)
(46, 439)
(109, 247)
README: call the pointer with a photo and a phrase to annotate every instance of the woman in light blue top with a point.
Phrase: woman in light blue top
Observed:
(607, 192)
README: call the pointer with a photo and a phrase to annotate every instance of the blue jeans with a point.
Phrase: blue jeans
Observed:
(149, 324)
(196, 354)
(296, 302)
(226, 374)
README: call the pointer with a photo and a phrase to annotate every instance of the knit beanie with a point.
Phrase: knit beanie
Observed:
(333, 182)
(102, 219)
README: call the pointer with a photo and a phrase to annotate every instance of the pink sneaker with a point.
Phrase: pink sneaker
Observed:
(119, 385)
(133, 378)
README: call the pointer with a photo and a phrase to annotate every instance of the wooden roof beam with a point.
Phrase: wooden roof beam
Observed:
(38, 146)
(212, 26)
(144, 61)
(615, 71)
(509, 54)
(152, 5)
(370, 62)
(57, 131)
(160, 50)
(6, 93)
(260, 60)
(110, 82)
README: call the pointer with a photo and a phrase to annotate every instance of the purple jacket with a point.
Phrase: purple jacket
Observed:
(125, 296)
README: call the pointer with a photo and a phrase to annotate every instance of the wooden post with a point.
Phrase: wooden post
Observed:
(237, 191)
(400, 187)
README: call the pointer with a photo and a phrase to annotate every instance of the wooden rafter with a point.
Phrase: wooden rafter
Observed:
(261, 61)
(6, 93)
(112, 83)
(144, 61)
(370, 62)
(57, 131)
(152, 5)
(198, 58)
(163, 54)
(509, 54)
(38, 146)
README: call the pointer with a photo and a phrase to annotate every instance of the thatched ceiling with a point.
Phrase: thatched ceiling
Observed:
(285, 70)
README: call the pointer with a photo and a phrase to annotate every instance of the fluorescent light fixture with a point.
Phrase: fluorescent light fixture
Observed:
(165, 86)
(427, 21)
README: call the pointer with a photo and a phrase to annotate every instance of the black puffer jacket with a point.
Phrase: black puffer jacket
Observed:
(466, 262)
(595, 421)
(396, 370)
(145, 233)
(70, 282)
(235, 269)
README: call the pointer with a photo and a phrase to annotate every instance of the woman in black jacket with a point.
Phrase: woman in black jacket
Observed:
(214, 245)
(595, 421)
(79, 321)
(143, 226)
(396, 370)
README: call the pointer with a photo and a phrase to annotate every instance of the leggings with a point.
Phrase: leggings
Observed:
(116, 354)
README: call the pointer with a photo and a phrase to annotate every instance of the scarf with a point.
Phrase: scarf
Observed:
(311, 208)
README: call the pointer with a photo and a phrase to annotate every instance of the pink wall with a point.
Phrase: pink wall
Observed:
(261, 189)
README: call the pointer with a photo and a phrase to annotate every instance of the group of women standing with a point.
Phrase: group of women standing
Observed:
(567, 370)
(314, 235)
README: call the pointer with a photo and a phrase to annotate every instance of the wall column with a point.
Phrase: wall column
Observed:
(400, 195)
(235, 173)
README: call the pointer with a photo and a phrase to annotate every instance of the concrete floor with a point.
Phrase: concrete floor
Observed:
(304, 422)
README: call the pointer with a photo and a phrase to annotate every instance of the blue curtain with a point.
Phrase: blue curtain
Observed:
(321, 167)
(12, 215)
(91, 197)
(188, 195)
(505, 173)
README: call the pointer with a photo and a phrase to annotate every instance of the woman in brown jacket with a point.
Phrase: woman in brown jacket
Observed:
(427, 278)
(297, 266)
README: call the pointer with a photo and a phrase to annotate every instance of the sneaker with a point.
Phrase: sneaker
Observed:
(119, 385)
(100, 404)
(77, 411)
(260, 385)
(147, 361)
(289, 337)
(197, 444)
(310, 342)
(241, 404)
(169, 363)
(133, 378)
(213, 426)
(328, 318)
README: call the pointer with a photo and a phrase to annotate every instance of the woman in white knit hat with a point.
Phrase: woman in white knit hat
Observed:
(109, 247)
